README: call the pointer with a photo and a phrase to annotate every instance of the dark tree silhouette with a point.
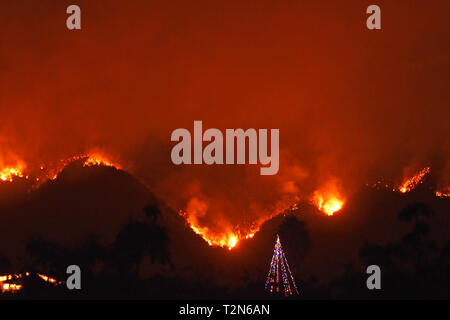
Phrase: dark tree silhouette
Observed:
(415, 267)
(153, 212)
(414, 211)
(296, 240)
(135, 241)
(48, 256)
(91, 251)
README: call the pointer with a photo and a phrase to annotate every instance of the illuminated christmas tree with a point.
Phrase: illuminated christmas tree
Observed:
(280, 278)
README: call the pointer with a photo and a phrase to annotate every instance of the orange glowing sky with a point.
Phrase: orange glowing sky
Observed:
(350, 104)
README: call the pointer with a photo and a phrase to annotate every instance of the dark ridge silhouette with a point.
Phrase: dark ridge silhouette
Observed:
(152, 253)
(152, 211)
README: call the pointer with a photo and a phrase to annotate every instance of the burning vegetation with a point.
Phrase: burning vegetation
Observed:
(51, 172)
(15, 282)
(443, 193)
(328, 203)
(329, 199)
(232, 236)
(7, 284)
(98, 160)
(411, 183)
(227, 239)
(9, 173)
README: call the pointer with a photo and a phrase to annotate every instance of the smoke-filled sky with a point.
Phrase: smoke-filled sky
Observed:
(351, 104)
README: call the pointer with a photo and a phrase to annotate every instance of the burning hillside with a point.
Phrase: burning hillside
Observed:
(329, 199)
(332, 123)
(12, 283)
(228, 239)
(42, 173)
(9, 173)
(221, 232)
(410, 183)
(443, 193)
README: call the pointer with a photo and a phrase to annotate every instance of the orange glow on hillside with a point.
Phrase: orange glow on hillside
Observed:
(90, 160)
(226, 239)
(9, 173)
(10, 286)
(231, 237)
(328, 204)
(14, 286)
(99, 160)
(328, 199)
(412, 182)
(443, 193)
(47, 278)
(43, 172)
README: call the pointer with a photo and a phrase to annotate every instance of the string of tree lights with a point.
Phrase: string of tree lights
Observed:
(279, 266)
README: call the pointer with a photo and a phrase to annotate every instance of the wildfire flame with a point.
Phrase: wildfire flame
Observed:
(328, 203)
(99, 160)
(90, 160)
(10, 287)
(9, 173)
(412, 182)
(443, 193)
(14, 287)
(328, 199)
(51, 172)
(232, 236)
(226, 239)
(47, 278)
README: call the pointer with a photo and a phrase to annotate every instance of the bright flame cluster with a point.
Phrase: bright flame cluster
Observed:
(328, 202)
(227, 239)
(9, 286)
(14, 287)
(48, 279)
(98, 160)
(9, 173)
(412, 182)
(443, 194)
